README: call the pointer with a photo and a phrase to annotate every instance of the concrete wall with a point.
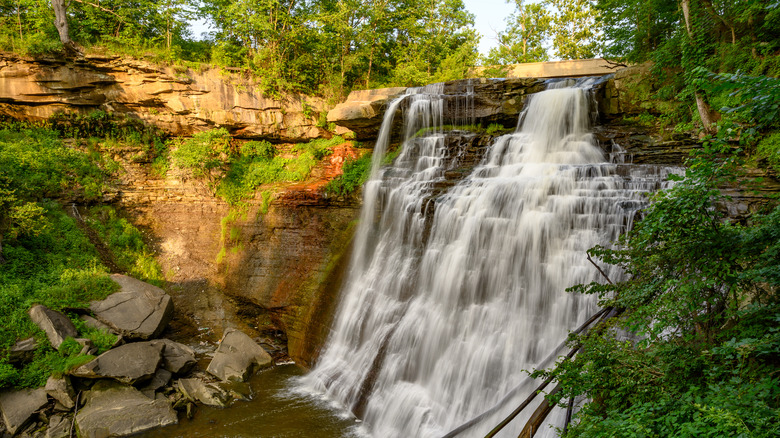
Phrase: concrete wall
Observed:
(558, 69)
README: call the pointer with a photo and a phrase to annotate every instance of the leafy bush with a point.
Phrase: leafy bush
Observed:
(259, 164)
(355, 173)
(37, 165)
(58, 268)
(203, 152)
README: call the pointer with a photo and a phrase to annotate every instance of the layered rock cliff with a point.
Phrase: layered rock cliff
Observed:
(178, 99)
(270, 267)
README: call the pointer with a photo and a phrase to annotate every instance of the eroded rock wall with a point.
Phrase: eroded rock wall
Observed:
(180, 100)
(265, 267)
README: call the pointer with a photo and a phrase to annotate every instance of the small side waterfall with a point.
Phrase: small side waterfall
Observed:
(455, 289)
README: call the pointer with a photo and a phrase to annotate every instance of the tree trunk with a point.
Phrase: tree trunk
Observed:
(701, 104)
(704, 112)
(370, 64)
(539, 415)
(61, 21)
(19, 18)
(686, 10)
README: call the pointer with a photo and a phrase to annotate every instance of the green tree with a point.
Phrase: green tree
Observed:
(523, 39)
(26, 24)
(576, 31)
(438, 30)
(633, 29)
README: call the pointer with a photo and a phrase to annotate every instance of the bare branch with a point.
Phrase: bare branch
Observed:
(599, 268)
(95, 5)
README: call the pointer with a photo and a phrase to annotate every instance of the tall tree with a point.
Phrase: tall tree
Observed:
(523, 39)
(635, 28)
(576, 31)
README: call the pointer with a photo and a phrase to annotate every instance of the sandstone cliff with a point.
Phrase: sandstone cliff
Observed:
(177, 99)
(266, 267)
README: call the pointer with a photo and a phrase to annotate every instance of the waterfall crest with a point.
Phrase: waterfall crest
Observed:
(455, 290)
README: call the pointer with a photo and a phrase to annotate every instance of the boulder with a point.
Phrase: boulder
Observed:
(237, 357)
(23, 351)
(87, 346)
(196, 390)
(18, 407)
(129, 363)
(97, 325)
(138, 311)
(56, 325)
(160, 378)
(59, 427)
(362, 109)
(177, 358)
(219, 394)
(60, 389)
(114, 410)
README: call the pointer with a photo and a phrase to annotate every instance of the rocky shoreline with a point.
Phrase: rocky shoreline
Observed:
(142, 383)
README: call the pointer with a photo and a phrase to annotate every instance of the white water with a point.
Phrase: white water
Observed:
(434, 330)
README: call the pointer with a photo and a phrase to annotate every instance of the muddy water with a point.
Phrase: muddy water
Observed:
(274, 411)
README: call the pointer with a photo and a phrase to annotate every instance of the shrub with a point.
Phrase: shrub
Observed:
(355, 173)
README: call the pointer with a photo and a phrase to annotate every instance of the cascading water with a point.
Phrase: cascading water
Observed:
(445, 307)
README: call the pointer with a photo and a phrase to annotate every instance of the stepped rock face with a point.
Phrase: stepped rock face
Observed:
(180, 100)
(269, 269)
(491, 100)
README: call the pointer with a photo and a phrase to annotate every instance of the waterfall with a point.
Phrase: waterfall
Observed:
(455, 289)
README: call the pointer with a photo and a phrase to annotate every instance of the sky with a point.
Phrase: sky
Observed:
(489, 20)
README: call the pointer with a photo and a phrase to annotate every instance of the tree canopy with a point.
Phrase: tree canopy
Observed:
(324, 47)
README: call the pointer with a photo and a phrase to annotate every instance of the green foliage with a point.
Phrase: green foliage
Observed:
(522, 40)
(266, 197)
(259, 163)
(494, 128)
(27, 27)
(108, 128)
(126, 244)
(203, 153)
(45, 256)
(58, 268)
(576, 34)
(354, 174)
(754, 100)
(38, 165)
(319, 47)
(101, 124)
(769, 149)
